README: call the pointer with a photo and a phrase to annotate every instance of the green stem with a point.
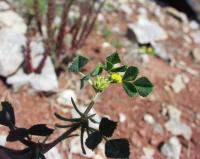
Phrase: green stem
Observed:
(91, 104)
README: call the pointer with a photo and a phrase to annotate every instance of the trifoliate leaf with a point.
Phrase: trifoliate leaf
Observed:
(7, 116)
(97, 71)
(131, 73)
(40, 130)
(78, 63)
(130, 89)
(119, 69)
(18, 134)
(107, 127)
(143, 86)
(108, 66)
(117, 148)
(114, 58)
(93, 140)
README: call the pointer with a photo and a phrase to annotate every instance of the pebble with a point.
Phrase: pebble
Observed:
(64, 97)
(172, 148)
(149, 119)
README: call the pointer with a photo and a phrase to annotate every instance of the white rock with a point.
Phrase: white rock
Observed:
(148, 153)
(3, 140)
(198, 115)
(64, 97)
(12, 20)
(157, 128)
(179, 83)
(174, 124)
(11, 55)
(196, 54)
(142, 30)
(196, 36)
(106, 45)
(45, 81)
(122, 117)
(178, 128)
(149, 119)
(144, 58)
(173, 112)
(126, 9)
(4, 5)
(53, 154)
(171, 149)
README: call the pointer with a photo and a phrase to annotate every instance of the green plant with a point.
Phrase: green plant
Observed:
(114, 148)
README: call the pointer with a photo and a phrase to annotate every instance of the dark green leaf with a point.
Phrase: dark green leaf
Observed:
(107, 127)
(82, 142)
(78, 63)
(114, 58)
(84, 81)
(130, 89)
(143, 86)
(18, 134)
(131, 73)
(93, 140)
(117, 148)
(119, 69)
(97, 71)
(7, 116)
(40, 130)
(108, 66)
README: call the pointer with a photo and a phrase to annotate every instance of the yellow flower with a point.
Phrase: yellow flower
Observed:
(116, 78)
(149, 50)
(101, 83)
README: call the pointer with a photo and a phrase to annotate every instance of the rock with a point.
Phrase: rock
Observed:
(148, 153)
(126, 9)
(160, 51)
(195, 36)
(144, 58)
(173, 112)
(11, 56)
(177, 14)
(4, 6)
(10, 19)
(196, 55)
(64, 97)
(3, 140)
(179, 83)
(172, 148)
(53, 153)
(198, 116)
(174, 124)
(157, 128)
(178, 128)
(194, 25)
(142, 31)
(122, 117)
(149, 119)
(45, 81)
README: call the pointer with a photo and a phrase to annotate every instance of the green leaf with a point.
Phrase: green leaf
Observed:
(97, 71)
(131, 73)
(108, 66)
(119, 69)
(78, 63)
(114, 58)
(143, 86)
(84, 81)
(130, 89)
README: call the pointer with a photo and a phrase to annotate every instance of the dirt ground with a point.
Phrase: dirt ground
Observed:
(32, 108)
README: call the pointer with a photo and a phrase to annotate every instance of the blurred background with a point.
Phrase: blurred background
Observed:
(39, 38)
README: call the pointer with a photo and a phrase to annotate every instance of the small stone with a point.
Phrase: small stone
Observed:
(196, 36)
(198, 116)
(179, 83)
(149, 119)
(64, 97)
(53, 154)
(148, 153)
(142, 31)
(196, 55)
(126, 9)
(122, 117)
(178, 128)
(157, 128)
(3, 140)
(172, 148)
(106, 45)
(144, 58)
(173, 112)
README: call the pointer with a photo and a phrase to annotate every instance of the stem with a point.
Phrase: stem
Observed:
(60, 138)
(91, 104)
